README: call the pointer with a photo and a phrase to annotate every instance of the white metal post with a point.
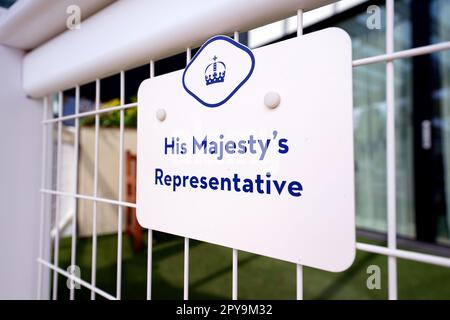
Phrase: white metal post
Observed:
(299, 268)
(43, 196)
(120, 208)
(390, 152)
(186, 269)
(94, 208)
(150, 232)
(235, 260)
(299, 22)
(73, 252)
(58, 201)
(299, 289)
(186, 240)
(149, 263)
(235, 275)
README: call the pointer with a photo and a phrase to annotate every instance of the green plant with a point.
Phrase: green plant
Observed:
(112, 119)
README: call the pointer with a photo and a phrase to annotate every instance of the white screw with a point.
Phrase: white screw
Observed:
(161, 114)
(272, 99)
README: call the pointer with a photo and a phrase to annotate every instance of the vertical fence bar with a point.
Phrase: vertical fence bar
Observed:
(299, 267)
(43, 196)
(234, 286)
(149, 264)
(299, 22)
(58, 201)
(390, 152)
(234, 295)
(73, 251)
(299, 288)
(120, 208)
(186, 240)
(150, 232)
(186, 269)
(94, 204)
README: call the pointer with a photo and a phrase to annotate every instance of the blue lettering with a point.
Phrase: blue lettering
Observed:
(294, 188)
(158, 176)
(260, 184)
(199, 146)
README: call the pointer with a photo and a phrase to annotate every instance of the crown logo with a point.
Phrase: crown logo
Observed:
(215, 72)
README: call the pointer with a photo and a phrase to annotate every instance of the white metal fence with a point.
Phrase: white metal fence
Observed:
(390, 251)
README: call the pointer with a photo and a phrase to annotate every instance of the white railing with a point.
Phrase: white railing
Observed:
(390, 251)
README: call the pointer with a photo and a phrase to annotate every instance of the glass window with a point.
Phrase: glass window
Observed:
(422, 102)
(6, 3)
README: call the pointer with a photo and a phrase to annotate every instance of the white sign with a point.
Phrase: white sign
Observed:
(254, 150)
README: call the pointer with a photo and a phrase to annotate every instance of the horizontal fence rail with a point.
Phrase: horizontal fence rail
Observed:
(409, 53)
(76, 279)
(92, 198)
(90, 113)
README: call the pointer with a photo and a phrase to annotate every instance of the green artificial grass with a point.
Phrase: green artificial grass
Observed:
(259, 277)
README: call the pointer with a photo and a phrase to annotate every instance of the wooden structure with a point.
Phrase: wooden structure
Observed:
(133, 229)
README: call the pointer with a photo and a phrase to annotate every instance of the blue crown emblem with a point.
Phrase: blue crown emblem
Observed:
(215, 72)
